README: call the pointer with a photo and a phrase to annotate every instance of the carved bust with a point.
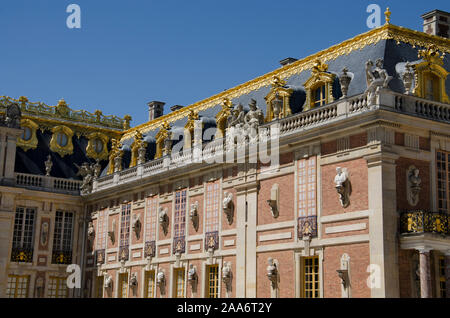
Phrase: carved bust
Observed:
(272, 271)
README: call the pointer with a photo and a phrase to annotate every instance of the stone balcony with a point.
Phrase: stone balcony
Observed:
(47, 184)
(337, 111)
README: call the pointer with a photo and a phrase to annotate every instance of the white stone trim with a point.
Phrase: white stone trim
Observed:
(275, 226)
(345, 228)
(274, 237)
(345, 217)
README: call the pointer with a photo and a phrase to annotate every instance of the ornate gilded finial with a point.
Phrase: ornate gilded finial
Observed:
(98, 114)
(23, 99)
(387, 15)
(226, 103)
(62, 103)
(126, 124)
(319, 67)
(431, 55)
(165, 125)
(192, 116)
(277, 82)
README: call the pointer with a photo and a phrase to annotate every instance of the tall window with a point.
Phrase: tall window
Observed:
(62, 238)
(432, 83)
(123, 285)
(307, 187)
(212, 207)
(310, 270)
(102, 229)
(149, 284)
(57, 287)
(307, 198)
(17, 286)
(179, 283)
(125, 231)
(22, 247)
(213, 281)
(99, 286)
(319, 95)
(151, 219)
(443, 181)
(180, 213)
(442, 279)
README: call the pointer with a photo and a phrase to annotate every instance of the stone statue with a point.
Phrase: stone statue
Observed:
(97, 169)
(377, 78)
(342, 185)
(414, 186)
(253, 119)
(193, 214)
(161, 281)
(48, 165)
(133, 280)
(112, 231)
(163, 219)
(108, 281)
(137, 225)
(86, 171)
(228, 206)
(44, 234)
(91, 232)
(277, 107)
(272, 272)
(408, 78)
(193, 277)
(227, 276)
(13, 116)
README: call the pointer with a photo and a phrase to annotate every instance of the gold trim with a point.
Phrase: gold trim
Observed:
(386, 32)
(90, 149)
(32, 143)
(278, 89)
(222, 118)
(161, 137)
(319, 77)
(135, 146)
(431, 65)
(115, 151)
(189, 129)
(55, 147)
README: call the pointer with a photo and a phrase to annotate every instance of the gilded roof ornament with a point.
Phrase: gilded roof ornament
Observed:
(432, 55)
(387, 15)
(319, 67)
(277, 82)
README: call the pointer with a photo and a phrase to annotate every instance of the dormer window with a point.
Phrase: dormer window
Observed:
(430, 76)
(319, 87)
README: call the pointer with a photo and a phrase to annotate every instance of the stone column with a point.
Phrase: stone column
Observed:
(425, 275)
(447, 273)
(383, 217)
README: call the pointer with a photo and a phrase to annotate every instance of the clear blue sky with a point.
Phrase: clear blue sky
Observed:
(128, 53)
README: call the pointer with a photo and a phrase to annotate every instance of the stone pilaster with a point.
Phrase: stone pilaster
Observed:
(383, 223)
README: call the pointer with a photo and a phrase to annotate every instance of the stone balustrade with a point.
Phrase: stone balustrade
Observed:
(46, 183)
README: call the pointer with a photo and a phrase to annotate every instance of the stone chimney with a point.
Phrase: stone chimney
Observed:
(437, 23)
(155, 110)
(287, 61)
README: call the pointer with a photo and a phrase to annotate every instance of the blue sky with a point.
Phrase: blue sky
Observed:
(128, 53)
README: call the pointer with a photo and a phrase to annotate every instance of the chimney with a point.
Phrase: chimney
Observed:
(176, 107)
(155, 110)
(437, 22)
(287, 61)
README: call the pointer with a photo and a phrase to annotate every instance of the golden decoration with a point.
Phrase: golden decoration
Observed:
(31, 143)
(387, 15)
(115, 151)
(319, 77)
(135, 146)
(90, 149)
(430, 76)
(222, 118)
(62, 150)
(161, 137)
(189, 129)
(278, 91)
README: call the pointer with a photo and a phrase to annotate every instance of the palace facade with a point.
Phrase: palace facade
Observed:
(327, 177)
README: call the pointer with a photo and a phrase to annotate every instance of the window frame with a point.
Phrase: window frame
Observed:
(315, 275)
(16, 286)
(215, 281)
